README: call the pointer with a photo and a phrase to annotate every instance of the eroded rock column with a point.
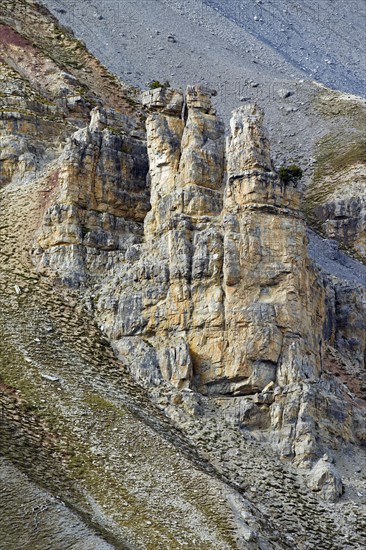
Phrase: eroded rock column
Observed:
(97, 203)
(272, 329)
(186, 153)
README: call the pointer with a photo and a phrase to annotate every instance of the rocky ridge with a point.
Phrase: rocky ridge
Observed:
(217, 265)
(209, 300)
(278, 54)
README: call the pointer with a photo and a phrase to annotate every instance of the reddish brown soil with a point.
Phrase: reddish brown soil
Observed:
(350, 377)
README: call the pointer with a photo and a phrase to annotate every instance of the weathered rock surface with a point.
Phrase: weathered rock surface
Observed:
(197, 237)
(335, 200)
(273, 308)
(223, 288)
(100, 199)
(218, 294)
(191, 256)
(325, 479)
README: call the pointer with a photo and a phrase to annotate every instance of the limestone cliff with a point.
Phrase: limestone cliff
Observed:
(218, 293)
(98, 204)
(137, 223)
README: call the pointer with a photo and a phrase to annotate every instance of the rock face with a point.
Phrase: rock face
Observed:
(190, 254)
(273, 308)
(335, 198)
(99, 202)
(177, 301)
(216, 292)
(345, 220)
(325, 479)
(226, 273)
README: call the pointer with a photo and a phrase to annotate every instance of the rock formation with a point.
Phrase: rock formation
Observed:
(273, 308)
(190, 255)
(335, 198)
(218, 293)
(99, 203)
(224, 272)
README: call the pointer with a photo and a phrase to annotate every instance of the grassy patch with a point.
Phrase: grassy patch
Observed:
(336, 154)
(96, 401)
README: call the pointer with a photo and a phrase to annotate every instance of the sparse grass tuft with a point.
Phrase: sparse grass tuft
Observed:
(290, 174)
(155, 84)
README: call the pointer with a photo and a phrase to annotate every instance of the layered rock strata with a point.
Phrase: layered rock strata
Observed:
(191, 256)
(335, 199)
(273, 302)
(215, 292)
(98, 203)
(226, 273)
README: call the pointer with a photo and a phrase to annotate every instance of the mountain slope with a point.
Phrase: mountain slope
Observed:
(149, 276)
(279, 54)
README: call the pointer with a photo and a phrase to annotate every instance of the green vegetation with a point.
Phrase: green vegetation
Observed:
(337, 153)
(116, 132)
(155, 84)
(98, 402)
(290, 174)
(84, 230)
(131, 101)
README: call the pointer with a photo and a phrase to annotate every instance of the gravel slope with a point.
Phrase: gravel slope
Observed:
(332, 260)
(247, 51)
(33, 518)
(324, 39)
(287, 38)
